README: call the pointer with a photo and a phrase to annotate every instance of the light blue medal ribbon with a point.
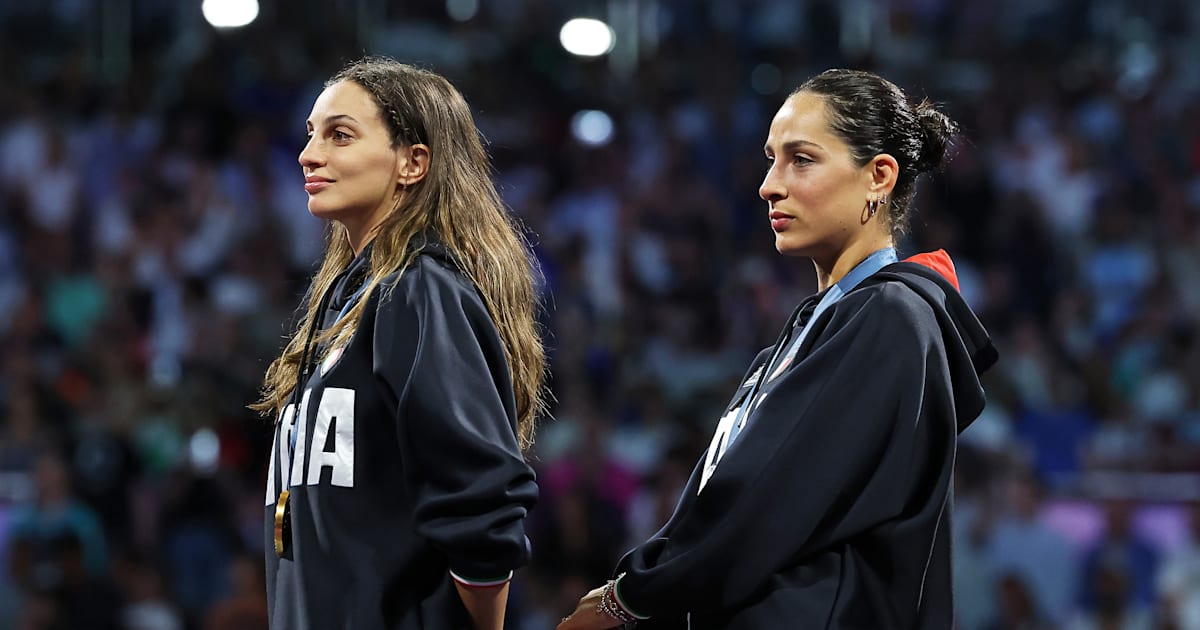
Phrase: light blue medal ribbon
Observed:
(863, 270)
(350, 303)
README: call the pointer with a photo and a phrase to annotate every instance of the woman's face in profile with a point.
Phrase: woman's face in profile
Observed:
(816, 195)
(351, 170)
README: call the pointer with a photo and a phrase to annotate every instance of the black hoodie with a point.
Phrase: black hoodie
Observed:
(831, 508)
(406, 473)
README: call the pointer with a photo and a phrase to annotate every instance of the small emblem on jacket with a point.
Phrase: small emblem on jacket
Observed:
(750, 382)
(331, 359)
(783, 365)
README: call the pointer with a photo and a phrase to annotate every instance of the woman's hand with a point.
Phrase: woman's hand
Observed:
(587, 615)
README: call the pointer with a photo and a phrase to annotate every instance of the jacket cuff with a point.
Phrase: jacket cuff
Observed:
(623, 603)
(472, 582)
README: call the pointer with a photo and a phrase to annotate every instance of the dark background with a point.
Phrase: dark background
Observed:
(154, 244)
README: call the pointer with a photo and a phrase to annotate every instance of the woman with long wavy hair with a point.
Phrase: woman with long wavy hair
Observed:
(398, 490)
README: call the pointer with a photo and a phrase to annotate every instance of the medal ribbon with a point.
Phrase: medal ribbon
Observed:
(863, 270)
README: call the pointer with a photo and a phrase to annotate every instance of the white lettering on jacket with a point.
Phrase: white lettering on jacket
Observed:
(717, 448)
(335, 412)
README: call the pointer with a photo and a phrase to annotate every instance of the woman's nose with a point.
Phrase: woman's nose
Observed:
(310, 155)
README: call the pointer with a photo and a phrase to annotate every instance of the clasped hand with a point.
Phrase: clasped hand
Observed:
(587, 615)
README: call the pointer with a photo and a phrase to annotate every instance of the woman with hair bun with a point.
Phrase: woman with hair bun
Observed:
(823, 500)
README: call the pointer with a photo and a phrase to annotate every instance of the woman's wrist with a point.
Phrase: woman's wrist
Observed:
(621, 601)
(611, 604)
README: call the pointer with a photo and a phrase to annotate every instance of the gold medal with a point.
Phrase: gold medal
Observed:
(283, 523)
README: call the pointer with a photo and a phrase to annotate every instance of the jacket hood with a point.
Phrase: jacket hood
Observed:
(355, 275)
(969, 348)
(940, 262)
(429, 244)
(350, 280)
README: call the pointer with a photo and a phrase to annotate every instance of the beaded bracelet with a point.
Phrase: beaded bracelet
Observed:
(611, 607)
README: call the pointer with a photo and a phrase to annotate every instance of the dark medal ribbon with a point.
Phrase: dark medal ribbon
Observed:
(283, 506)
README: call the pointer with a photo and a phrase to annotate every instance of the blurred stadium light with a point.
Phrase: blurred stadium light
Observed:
(592, 127)
(229, 13)
(586, 37)
(462, 10)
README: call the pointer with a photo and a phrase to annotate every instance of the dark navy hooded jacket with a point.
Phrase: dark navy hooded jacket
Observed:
(406, 474)
(831, 509)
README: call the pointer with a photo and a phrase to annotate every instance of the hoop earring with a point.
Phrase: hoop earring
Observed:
(873, 205)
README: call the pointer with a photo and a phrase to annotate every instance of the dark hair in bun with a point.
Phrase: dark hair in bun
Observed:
(872, 116)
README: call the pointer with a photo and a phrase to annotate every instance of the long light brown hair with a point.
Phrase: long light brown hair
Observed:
(457, 202)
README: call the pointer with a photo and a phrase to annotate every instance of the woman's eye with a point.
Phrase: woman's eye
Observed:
(341, 136)
(800, 160)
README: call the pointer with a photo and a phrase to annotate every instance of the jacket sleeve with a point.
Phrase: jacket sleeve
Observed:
(837, 445)
(438, 354)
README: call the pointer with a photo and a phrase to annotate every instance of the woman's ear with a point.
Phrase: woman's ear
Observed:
(883, 171)
(413, 164)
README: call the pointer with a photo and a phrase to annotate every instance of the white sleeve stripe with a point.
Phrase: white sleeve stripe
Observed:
(480, 583)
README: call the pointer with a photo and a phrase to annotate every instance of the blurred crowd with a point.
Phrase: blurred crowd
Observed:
(154, 246)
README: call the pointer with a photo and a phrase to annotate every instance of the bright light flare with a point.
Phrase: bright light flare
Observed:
(229, 13)
(587, 37)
